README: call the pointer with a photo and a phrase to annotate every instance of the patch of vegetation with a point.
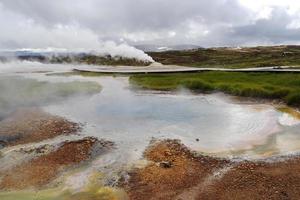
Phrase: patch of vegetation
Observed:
(285, 87)
(231, 58)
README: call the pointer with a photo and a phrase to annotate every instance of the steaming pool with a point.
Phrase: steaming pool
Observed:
(213, 124)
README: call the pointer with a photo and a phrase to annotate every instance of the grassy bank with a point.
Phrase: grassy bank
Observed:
(285, 87)
(232, 58)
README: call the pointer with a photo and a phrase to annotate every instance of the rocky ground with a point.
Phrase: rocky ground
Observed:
(39, 166)
(33, 125)
(174, 172)
(40, 171)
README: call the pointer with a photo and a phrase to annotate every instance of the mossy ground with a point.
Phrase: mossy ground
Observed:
(284, 87)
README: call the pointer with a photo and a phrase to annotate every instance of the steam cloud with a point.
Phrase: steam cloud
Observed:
(58, 38)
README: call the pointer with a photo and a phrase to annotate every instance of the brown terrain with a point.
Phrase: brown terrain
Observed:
(174, 172)
(42, 170)
(33, 125)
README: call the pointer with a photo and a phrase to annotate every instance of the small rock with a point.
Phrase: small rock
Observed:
(2, 144)
(165, 164)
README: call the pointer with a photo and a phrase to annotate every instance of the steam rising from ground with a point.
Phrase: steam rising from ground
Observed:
(69, 38)
(17, 92)
(17, 66)
(124, 50)
(20, 32)
(100, 49)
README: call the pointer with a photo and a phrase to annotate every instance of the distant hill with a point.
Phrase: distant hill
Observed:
(184, 55)
(228, 57)
(160, 48)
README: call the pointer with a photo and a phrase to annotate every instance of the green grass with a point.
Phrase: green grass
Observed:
(232, 58)
(285, 87)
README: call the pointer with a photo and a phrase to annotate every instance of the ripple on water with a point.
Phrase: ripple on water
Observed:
(132, 118)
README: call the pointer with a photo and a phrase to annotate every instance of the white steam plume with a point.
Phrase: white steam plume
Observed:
(26, 34)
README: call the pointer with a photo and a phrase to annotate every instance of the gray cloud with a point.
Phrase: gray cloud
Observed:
(82, 24)
(275, 29)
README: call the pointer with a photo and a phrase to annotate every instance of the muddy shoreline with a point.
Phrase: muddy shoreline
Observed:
(30, 125)
(40, 171)
(175, 172)
(45, 162)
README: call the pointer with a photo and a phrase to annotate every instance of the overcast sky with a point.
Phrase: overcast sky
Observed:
(83, 23)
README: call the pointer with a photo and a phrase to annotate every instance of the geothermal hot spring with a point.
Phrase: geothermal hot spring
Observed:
(214, 124)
